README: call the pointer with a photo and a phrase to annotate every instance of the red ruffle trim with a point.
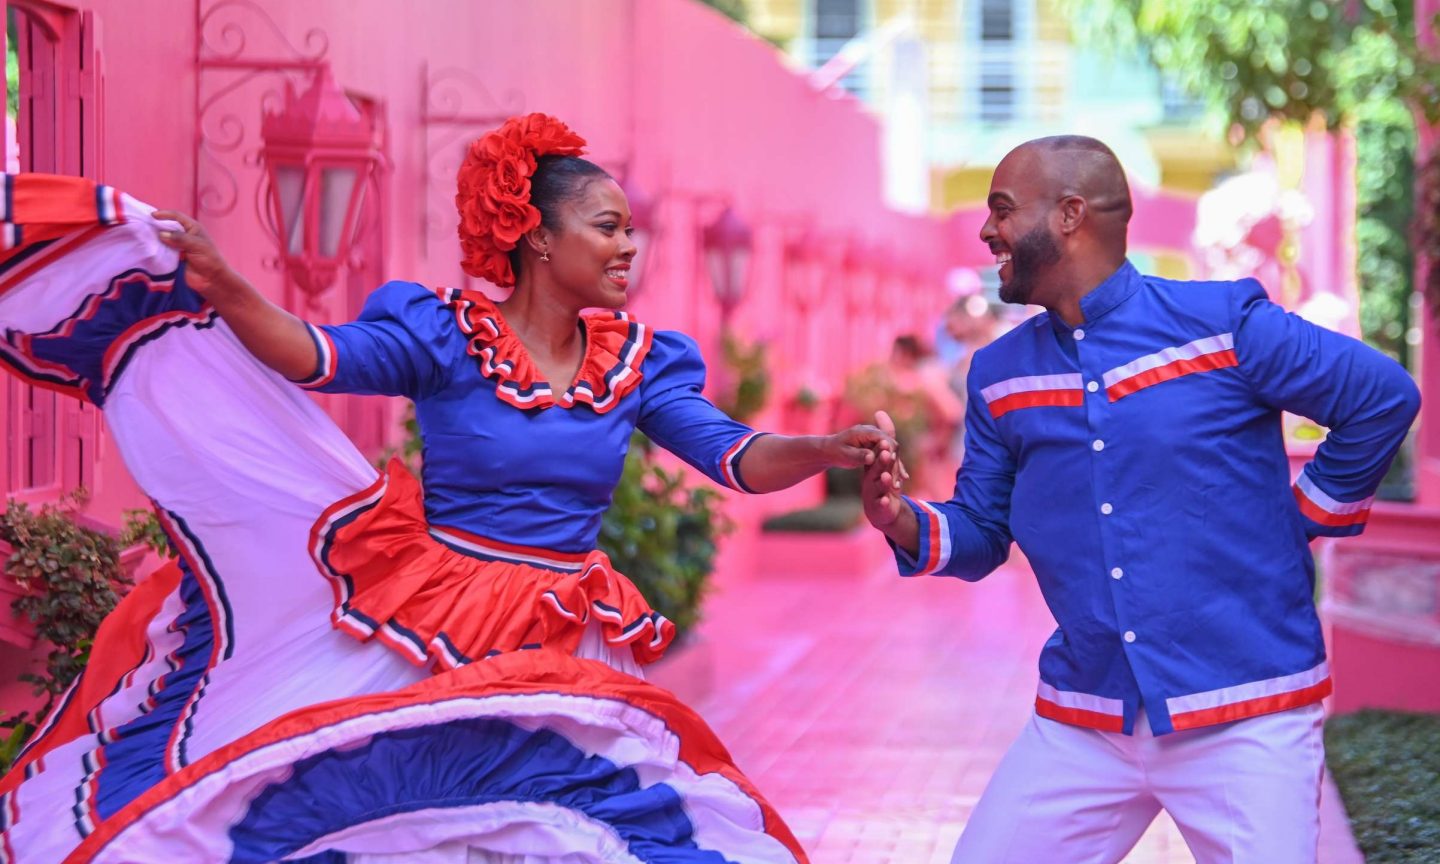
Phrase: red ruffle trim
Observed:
(395, 582)
(615, 346)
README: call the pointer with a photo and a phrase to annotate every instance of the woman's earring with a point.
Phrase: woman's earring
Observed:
(544, 256)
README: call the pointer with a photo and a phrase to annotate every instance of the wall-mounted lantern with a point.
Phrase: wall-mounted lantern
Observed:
(728, 244)
(319, 155)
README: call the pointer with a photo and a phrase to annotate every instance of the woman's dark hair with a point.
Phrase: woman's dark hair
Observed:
(557, 179)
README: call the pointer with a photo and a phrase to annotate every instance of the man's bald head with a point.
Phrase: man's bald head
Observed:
(1084, 167)
(1059, 211)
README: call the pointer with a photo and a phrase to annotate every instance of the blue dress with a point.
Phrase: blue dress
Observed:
(334, 666)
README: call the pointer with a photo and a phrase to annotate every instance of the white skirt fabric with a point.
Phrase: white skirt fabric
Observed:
(223, 716)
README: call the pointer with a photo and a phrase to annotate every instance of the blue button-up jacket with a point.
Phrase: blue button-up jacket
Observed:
(1138, 461)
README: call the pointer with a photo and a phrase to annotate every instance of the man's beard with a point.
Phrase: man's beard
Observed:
(1031, 252)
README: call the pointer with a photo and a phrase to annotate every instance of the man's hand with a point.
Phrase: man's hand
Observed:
(881, 484)
(880, 493)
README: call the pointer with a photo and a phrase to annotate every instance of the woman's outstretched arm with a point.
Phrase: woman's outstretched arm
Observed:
(776, 462)
(276, 338)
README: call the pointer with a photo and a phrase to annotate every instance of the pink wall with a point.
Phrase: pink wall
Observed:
(702, 115)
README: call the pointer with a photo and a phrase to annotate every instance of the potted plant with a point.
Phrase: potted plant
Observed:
(662, 532)
(63, 577)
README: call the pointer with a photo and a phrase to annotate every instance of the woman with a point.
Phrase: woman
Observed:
(502, 389)
(173, 744)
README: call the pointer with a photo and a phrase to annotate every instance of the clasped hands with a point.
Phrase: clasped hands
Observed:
(874, 450)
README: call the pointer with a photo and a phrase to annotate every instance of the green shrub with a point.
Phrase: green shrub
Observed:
(1387, 765)
(747, 378)
(662, 532)
(72, 578)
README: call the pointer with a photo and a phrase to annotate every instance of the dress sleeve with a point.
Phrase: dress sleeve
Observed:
(1365, 399)
(677, 416)
(405, 343)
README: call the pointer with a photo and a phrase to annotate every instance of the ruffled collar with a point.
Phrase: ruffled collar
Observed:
(615, 346)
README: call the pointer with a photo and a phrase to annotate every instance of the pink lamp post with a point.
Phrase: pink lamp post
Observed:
(728, 244)
(319, 155)
(642, 219)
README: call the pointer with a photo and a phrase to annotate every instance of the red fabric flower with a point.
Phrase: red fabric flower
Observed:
(493, 194)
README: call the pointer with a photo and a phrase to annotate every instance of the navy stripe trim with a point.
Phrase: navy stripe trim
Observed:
(735, 463)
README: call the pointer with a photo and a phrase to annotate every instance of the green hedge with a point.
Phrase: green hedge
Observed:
(1387, 765)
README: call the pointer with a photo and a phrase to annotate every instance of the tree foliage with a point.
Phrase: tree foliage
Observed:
(1256, 60)
(1352, 63)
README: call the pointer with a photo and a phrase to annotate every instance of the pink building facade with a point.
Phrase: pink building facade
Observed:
(165, 99)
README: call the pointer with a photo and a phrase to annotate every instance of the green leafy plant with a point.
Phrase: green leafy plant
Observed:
(1386, 764)
(805, 398)
(662, 532)
(735, 10)
(748, 381)
(875, 388)
(143, 528)
(411, 445)
(71, 578)
(1427, 228)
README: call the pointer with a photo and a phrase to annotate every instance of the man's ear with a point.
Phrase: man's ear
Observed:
(1073, 210)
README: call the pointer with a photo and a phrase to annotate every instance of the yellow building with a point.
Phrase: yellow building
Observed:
(996, 72)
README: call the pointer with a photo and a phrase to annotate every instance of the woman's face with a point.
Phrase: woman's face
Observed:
(591, 253)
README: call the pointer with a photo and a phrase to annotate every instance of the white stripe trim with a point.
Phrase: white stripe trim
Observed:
(413, 648)
(327, 357)
(108, 204)
(943, 538)
(1030, 384)
(647, 745)
(1188, 351)
(1082, 701)
(442, 649)
(329, 573)
(1246, 692)
(505, 554)
(1318, 497)
(727, 465)
(479, 823)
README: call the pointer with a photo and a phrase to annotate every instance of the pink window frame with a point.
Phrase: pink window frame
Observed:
(52, 443)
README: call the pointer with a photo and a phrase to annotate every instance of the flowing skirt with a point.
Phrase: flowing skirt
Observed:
(319, 675)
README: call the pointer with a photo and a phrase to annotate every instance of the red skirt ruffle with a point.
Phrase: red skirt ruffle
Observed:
(395, 582)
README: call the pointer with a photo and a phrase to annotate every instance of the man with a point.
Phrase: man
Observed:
(1128, 439)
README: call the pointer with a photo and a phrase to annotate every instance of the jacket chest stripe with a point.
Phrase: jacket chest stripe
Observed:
(1202, 355)
(1034, 391)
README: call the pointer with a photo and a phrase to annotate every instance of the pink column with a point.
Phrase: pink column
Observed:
(1427, 475)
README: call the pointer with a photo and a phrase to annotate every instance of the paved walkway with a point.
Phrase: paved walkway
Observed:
(871, 710)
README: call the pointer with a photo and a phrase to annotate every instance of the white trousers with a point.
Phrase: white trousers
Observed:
(1241, 792)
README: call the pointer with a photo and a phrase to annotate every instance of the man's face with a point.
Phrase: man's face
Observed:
(1019, 230)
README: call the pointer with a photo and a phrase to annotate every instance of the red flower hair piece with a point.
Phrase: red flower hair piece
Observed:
(494, 191)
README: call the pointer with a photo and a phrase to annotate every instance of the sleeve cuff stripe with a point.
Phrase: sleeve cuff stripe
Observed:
(326, 365)
(1319, 507)
(935, 540)
(730, 463)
